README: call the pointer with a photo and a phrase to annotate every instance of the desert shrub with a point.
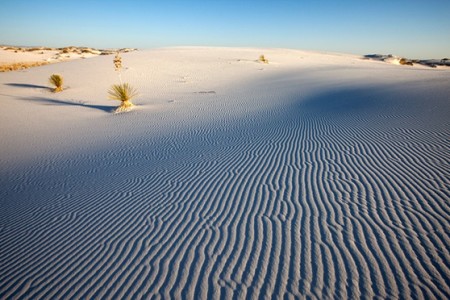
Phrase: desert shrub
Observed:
(57, 81)
(20, 66)
(124, 93)
(405, 62)
(263, 59)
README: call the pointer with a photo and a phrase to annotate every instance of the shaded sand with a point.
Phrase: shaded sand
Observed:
(316, 175)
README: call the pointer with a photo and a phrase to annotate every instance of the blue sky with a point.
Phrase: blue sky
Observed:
(414, 29)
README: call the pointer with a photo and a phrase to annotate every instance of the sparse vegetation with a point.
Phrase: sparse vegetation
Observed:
(117, 62)
(263, 59)
(20, 66)
(124, 93)
(405, 62)
(57, 81)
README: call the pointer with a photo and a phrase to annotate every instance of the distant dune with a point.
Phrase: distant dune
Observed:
(14, 58)
(433, 63)
(315, 175)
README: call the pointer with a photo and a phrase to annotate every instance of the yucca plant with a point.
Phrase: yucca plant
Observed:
(263, 59)
(117, 62)
(57, 81)
(124, 93)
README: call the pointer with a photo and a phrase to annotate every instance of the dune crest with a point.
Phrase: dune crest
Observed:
(20, 58)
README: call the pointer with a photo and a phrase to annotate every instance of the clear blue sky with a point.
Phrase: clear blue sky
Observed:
(410, 28)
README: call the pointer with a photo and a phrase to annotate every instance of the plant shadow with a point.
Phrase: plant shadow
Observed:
(30, 86)
(47, 101)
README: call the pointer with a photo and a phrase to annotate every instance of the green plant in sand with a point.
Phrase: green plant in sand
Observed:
(57, 81)
(263, 59)
(124, 93)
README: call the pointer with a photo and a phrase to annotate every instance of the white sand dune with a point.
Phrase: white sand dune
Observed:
(20, 58)
(316, 175)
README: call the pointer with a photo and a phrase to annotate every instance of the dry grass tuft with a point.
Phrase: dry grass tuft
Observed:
(20, 66)
(57, 81)
(124, 93)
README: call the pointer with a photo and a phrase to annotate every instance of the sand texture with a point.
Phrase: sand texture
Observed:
(316, 175)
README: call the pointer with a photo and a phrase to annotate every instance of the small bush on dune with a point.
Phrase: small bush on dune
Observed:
(263, 59)
(57, 81)
(405, 62)
(124, 93)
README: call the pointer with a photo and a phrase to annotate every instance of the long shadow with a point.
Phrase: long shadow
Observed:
(105, 108)
(30, 86)
(345, 101)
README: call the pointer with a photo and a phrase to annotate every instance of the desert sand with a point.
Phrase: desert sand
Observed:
(19, 58)
(317, 175)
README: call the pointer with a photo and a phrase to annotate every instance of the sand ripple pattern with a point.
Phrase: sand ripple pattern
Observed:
(302, 201)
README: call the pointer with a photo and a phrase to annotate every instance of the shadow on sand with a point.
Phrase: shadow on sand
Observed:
(29, 86)
(47, 101)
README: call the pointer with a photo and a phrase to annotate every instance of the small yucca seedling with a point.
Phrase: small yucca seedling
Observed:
(263, 59)
(57, 81)
(124, 93)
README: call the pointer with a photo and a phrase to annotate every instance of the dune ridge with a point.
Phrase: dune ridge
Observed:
(315, 175)
(13, 58)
